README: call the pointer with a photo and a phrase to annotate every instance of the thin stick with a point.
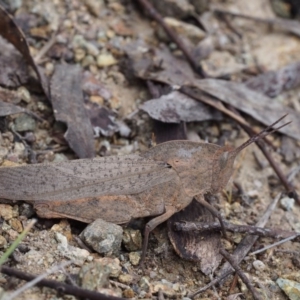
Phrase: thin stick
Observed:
(172, 35)
(212, 283)
(59, 286)
(120, 285)
(249, 229)
(275, 244)
(37, 279)
(45, 48)
(241, 274)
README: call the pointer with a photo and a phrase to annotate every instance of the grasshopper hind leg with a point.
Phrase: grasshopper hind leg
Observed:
(170, 210)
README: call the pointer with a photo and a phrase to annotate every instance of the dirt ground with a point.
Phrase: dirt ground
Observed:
(94, 34)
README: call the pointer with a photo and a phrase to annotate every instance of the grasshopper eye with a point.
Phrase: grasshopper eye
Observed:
(223, 160)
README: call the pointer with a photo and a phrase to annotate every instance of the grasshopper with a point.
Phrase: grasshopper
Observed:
(158, 182)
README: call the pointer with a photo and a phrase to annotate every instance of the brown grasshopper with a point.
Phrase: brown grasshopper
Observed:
(158, 182)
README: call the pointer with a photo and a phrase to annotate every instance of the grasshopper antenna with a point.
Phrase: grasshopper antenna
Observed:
(268, 130)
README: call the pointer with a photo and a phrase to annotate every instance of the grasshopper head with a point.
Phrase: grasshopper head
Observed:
(223, 159)
(222, 168)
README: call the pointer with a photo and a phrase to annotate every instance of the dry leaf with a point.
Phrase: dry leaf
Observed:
(68, 106)
(176, 107)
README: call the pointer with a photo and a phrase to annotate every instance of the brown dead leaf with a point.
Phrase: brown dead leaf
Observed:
(14, 71)
(258, 106)
(12, 33)
(10, 96)
(68, 106)
(160, 65)
(275, 82)
(105, 122)
(176, 107)
(93, 87)
(193, 246)
(7, 109)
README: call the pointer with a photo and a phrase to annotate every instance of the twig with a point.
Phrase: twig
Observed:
(233, 284)
(120, 285)
(211, 101)
(69, 278)
(173, 36)
(239, 271)
(214, 288)
(249, 229)
(45, 48)
(31, 153)
(81, 244)
(275, 244)
(212, 283)
(33, 282)
(59, 286)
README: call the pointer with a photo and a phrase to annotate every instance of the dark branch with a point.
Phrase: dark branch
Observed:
(254, 230)
(59, 286)
(241, 274)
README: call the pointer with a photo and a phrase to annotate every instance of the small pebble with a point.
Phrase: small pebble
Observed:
(64, 228)
(290, 287)
(3, 242)
(24, 122)
(166, 289)
(287, 203)
(88, 61)
(16, 225)
(128, 293)
(24, 94)
(152, 274)
(19, 150)
(77, 254)
(94, 276)
(259, 265)
(6, 211)
(125, 278)
(103, 237)
(105, 60)
(97, 99)
(30, 137)
(12, 234)
(144, 284)
(79, 54)
(134, 258)
(112, 263)
(132, 239)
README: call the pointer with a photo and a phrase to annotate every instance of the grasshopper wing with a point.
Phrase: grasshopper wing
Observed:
(115, 175)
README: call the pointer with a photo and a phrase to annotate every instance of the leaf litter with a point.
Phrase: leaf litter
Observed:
(165, 65)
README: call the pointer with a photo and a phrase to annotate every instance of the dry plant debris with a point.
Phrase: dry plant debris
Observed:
(69, 68)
